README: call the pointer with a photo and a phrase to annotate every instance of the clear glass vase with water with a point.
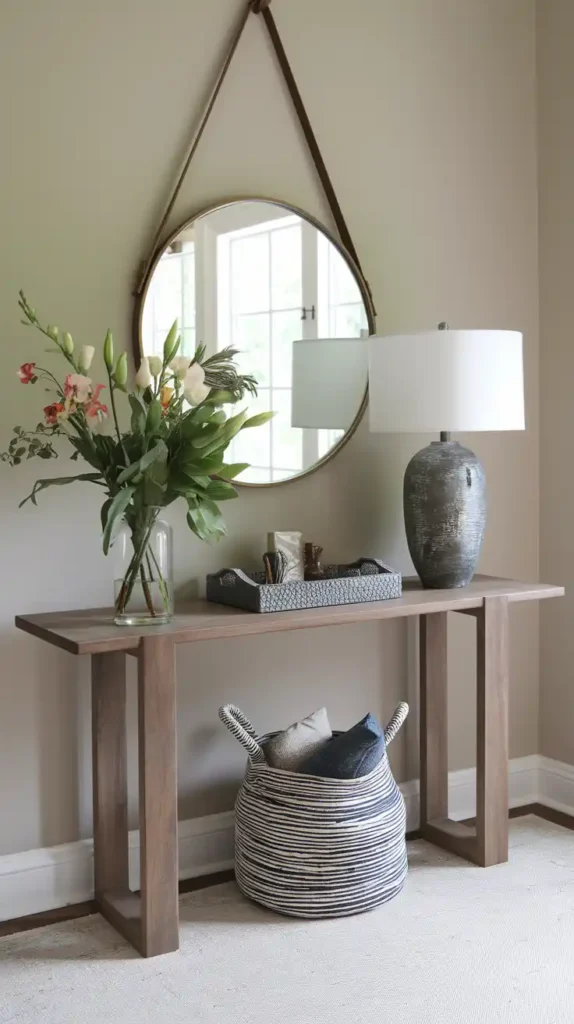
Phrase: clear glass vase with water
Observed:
(142, 554)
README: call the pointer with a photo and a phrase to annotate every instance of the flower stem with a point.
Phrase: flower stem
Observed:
(163, 587)
(133, 569)
(147, 592)
(115, 415)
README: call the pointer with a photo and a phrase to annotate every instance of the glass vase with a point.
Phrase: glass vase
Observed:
(142, 554)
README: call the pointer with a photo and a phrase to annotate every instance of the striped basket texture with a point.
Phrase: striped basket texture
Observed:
(314, 847)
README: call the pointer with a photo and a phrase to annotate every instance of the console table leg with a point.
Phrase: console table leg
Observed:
(433, 718)
(111, 860)
(109, 773)
(487, 842)
(158, 795)
(492, 732)
(435, 824)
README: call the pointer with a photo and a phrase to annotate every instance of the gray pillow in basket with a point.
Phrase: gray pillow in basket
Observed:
(288, 749)
(349, 755)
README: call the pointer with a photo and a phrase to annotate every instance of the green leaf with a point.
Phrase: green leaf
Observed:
(159, 451)
(87, 451)
(207, 435)
(202, 413)
(218, 490)
(227, 432)
(192, 465)
(158, 472)
(258, 420)
(206, 522)
(206, 503)
(155, 483)
(232, 470)
(194, 492)
(59, 481)
(154, 415)
(217, 397)
(116, 509)
(171, 344)
(189, 485)
(104, 512)
(139, 413)
(190, 426)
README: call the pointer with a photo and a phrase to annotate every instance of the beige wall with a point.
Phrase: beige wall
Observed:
(425, 110)
(555, 28)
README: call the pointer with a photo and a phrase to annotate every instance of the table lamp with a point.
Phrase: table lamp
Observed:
(443, 381)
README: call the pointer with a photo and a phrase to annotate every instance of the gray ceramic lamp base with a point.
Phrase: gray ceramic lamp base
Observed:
(445, 512)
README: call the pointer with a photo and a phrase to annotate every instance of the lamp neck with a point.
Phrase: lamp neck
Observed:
(444, 434)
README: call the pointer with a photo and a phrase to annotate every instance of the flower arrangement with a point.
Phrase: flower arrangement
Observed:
(179, 432)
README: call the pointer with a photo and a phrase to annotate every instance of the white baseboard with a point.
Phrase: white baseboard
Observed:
(39, 880)
(522, 789)
(556, 784)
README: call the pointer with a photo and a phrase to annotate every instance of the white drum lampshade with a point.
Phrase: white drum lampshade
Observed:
(329, 382)
(443, 381)
(446, 380)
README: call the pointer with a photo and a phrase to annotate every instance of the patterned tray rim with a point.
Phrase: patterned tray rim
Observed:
(384, 570)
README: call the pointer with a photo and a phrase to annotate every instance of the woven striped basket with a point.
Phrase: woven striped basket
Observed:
(315, 847)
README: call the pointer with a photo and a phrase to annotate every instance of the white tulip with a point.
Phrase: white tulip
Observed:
(194, 387)
(179, 366)
(86, 356)
(143, 377)
(155, 365)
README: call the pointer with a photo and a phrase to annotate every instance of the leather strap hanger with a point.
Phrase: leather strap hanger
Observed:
(257, 7)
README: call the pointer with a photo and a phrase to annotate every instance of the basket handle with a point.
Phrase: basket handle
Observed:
(240, 727)
(399, 716)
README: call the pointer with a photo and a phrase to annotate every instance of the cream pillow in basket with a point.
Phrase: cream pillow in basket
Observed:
(293, 746)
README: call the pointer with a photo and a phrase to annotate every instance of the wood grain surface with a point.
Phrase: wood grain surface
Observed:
(92, 631)
(157, 754)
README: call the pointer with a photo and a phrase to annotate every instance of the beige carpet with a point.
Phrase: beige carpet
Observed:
(459, 945)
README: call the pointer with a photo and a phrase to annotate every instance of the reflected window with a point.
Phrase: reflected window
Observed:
(259, 309)
(171, 296)
(257, 276)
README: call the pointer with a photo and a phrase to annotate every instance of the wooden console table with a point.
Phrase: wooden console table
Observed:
(150, 922)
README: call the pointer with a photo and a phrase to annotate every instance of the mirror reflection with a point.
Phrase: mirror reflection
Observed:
(259, 277)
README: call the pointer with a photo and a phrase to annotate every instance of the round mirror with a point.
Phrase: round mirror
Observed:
(269, 281)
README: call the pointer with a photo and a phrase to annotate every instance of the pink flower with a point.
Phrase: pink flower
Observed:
(26, 373)
(78, 387)
(93, 406)
(53, 412)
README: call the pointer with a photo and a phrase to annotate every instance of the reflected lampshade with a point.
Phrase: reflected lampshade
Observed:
(329, 382)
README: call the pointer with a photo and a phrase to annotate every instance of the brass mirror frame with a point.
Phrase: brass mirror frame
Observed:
(353, 267)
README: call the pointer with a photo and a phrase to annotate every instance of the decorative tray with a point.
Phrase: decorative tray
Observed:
(368, 579)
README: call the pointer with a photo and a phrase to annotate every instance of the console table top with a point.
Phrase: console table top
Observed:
(92, 631)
